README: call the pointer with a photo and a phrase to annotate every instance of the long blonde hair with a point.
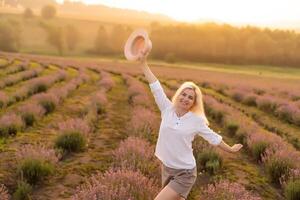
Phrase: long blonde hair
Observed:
(198, 107)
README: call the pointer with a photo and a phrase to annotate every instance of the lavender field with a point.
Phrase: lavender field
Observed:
(86, 129)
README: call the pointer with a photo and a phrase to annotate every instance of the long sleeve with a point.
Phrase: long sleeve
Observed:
(159, 95)
(208, 134)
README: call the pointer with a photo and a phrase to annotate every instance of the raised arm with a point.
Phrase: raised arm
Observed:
(159, 95)
(151, 78)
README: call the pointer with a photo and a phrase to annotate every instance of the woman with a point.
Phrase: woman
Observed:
(182, 120)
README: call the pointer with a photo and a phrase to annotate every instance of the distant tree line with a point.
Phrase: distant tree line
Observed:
(225, 44)
(111, 42)
(210, 43)
(183, 42)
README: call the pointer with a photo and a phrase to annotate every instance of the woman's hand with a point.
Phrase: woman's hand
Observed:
(143, 56)
(231, 149)
(236, 147)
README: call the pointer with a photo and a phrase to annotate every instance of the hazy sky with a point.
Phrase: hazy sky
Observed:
(258, 12)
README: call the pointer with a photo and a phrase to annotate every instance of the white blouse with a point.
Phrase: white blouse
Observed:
(176, 134)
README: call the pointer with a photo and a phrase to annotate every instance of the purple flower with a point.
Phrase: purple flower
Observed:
(116, 185)
(229, 191)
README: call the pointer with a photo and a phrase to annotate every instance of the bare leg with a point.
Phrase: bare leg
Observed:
(168, 194)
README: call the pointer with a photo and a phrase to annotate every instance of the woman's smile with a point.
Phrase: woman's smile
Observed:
(187, 98)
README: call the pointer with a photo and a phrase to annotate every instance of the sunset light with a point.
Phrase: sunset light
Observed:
(149, 99)
(231, 11)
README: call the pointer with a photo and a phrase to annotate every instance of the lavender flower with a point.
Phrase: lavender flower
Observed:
(137, 154)
(37, 152)
(224, 190)
(116, 185)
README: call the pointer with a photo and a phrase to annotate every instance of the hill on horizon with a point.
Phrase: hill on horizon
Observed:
(78, 10)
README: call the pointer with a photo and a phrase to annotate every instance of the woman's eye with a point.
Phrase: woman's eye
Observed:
(191, 98)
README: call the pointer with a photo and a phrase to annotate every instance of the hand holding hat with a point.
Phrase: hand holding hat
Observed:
(138, 45)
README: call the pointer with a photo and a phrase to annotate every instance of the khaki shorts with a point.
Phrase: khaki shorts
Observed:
(180, 180)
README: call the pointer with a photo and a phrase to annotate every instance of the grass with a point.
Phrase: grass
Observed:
(282, 72)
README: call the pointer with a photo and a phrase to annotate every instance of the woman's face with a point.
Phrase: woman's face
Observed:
(186, 99)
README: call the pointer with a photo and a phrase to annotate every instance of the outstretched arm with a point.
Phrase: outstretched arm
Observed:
(215, 139)
(151, 78)
(228, 148)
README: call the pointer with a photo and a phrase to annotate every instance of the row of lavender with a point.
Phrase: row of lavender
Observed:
(38, 84)
(13, 66)
(280, 159)
(40, 104)
(134, 171)
(283, 105)
(36, 161)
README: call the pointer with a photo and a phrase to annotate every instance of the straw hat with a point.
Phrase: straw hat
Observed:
(137, 41)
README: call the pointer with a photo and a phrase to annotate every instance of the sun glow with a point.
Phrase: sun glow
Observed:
(229, 11)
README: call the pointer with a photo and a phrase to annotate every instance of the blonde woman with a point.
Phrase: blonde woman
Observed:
(182, 119)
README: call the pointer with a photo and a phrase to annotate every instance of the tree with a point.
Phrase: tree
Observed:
(28, 13)
(72, 37)
(48, 12)
(55, 37)
(9, 36)
(101, 42)
(118, 37)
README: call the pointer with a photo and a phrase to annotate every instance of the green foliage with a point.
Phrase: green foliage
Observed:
(258, 149)
(267, 106)
(250, 100)
(23, 191)
(48, 105)
(100, 108)
(71, 142)
(241, 136)
(55, 36)
(277, 168)
(217, 116)
(9, 36)
(118, 35)
(72, 37)
(209, 160)
(212, 166)
(38, 88)
(292, 190)
(11, 129)
(101, 41)
(205, 43)
(34, 170)
(2, 104)
(28, 118)
(231, 128)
